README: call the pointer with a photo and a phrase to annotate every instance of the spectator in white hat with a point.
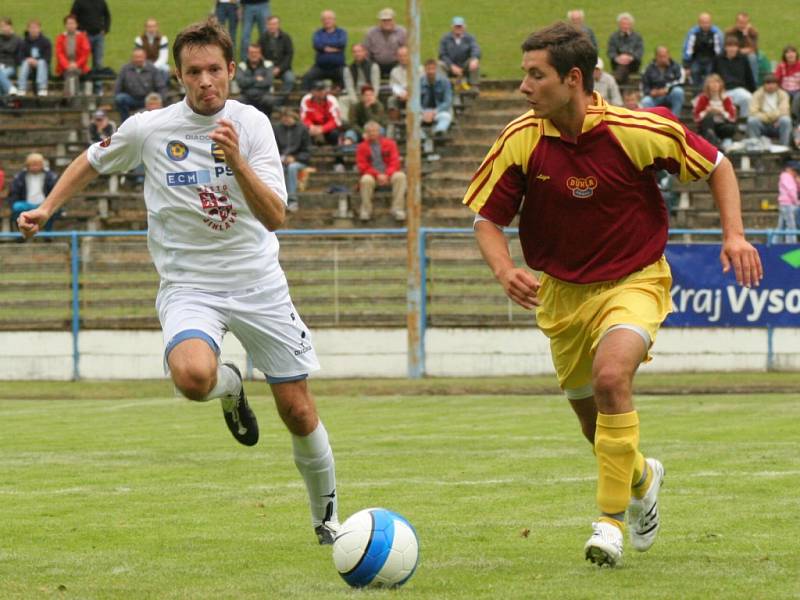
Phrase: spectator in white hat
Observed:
(383, 40)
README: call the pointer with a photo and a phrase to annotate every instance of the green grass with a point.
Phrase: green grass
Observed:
(124, 491)
(499, 26)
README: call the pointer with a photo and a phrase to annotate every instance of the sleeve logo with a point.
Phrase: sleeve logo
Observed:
(177, 151)
(582, 187)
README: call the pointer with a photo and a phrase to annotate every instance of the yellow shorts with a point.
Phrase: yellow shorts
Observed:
(576, 316)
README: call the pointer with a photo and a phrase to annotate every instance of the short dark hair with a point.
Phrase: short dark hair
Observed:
(431, 61)
(770, 78)
(204, 33)
(786, 49)
(568, 49)
(731, 40)
(70, 16)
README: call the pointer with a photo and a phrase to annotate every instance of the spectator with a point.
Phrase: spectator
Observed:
(702, 45)
(747, 39)
(732, 66)
(398, 84)
(94, 18)
(631, 99)
(101, 127)
(277, 47)
(2, 181)
(9, 50)
(153, 101)
(769, 112)
(136, 79)
(155, 46)
(329, 42)
(294, 145)
(378, 162)
(788, 200)
(576, 18)
(788, 74)
(369, 108)
(254, 12)
(30, 187)
(227, 13)
(436, 99)
(606, 85)
(383, 40)
(319, 111)
(254, 77)
(459, 55)
(625, 48)
(72, 55)
(714, 112)
(662, 82)
(35, 55)
(362, 71)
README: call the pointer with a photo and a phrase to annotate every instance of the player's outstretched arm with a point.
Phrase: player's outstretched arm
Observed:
(736, 252)
(77, 176)
(519, 285)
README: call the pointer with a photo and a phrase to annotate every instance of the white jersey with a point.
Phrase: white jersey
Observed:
(201, 232)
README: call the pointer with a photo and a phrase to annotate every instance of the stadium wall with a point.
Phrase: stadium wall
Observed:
(382, 352)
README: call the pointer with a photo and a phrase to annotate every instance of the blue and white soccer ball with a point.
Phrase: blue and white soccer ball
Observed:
(376, 547)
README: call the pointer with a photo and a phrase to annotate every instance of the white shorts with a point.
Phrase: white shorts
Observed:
(263, 319)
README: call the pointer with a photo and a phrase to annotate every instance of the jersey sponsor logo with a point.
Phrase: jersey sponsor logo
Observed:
(105, 142)
(177, 151)
(220, 213)
(200, 137)
(178, 178)
(217, 153)
(582, 187)
(542, 177)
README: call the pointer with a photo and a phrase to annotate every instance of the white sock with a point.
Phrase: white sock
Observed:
(228, 384)
(314, 460)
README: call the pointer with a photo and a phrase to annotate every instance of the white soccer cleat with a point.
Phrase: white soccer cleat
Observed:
(605, 545)
(643, 518)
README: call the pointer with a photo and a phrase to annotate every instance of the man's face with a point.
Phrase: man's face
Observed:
(151, 27)
(71, 25)
(731, 50)
(662, 57)
(138, 58)
(359, 53)
(153, 104)
(458, 30)
(742, 21)
(387, 24)
(206, 77)
(6, 28)
(704, 21)
(372, 133)
(543, 88)
(771, 87)
(597, 73)
(35, 166)
(328, 20)
(273, 25)
(576, 18)
(287, 120)
(402, 55)
(430, 71)
(34, 29)
(625, 24)
(368, 97)
(254, 54)
(319, 95)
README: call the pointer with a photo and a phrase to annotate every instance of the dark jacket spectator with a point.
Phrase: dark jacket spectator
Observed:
(31, 186)
(254, 77)
(702, 45)
(735, 72)
(293, 140)
(19, 190)
(657, 77)
(39, 47)
(100, 128)
(436, 98)
(625, 49)
(34, 56)
(9, 49)
(93, 16)
(455, 52)
(278, 49)
(135, 81)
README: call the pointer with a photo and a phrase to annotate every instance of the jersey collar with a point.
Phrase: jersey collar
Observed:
(594, 115)
(199, 119)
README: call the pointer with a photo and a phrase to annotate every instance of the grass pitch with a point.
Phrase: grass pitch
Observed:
(137, 494)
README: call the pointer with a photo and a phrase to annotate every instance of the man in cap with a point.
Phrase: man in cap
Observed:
(459, 54)
(383, 40)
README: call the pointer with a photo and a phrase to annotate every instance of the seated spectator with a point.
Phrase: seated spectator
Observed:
(662, 83)
(101, 127)
(369, 108)
(254, 78)
(30, 187)
(769, 112)
(736, 74)
(294, 145)
(714, 112)
(398, 84)
(319, 111)
(35, 54)
(155, 46)
(378, 162)
(436, 99)
(276, 47)
(606, 85)
(329, 43)
(788, 200)
(747, 39)
(459, 55)
(631, 99)
(625, 49)
(788, 74)
(383, 40)
(576, 18)
(702, 45)
(136, 79)
(362, 71)
(153, 101)
(72, 55)
(9, 49)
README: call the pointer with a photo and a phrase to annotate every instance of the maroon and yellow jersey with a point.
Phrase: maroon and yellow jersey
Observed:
(591, 209)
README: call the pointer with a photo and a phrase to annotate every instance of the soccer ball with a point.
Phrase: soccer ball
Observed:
(376, 547)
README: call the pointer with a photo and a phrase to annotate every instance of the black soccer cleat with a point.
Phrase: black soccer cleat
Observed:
(241, 419)
(326, 533)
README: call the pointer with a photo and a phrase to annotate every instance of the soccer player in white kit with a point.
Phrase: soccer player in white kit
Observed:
(215, 193)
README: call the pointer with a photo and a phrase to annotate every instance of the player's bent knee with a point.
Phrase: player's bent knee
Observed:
(610, 379)
(194, 381)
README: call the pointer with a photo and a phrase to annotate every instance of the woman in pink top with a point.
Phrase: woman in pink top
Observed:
(788, 202)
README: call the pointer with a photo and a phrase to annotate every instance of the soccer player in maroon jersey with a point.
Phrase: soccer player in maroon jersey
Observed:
(580, 173)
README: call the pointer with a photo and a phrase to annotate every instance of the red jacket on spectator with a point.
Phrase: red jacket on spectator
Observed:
(788, 76)
(389, 153)
(324, 113)
(701, 104)
(82, 51)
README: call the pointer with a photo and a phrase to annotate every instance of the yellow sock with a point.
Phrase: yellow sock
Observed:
(616, 446)
(642, 476)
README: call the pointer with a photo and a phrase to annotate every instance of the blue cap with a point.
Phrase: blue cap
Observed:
(458, 21)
